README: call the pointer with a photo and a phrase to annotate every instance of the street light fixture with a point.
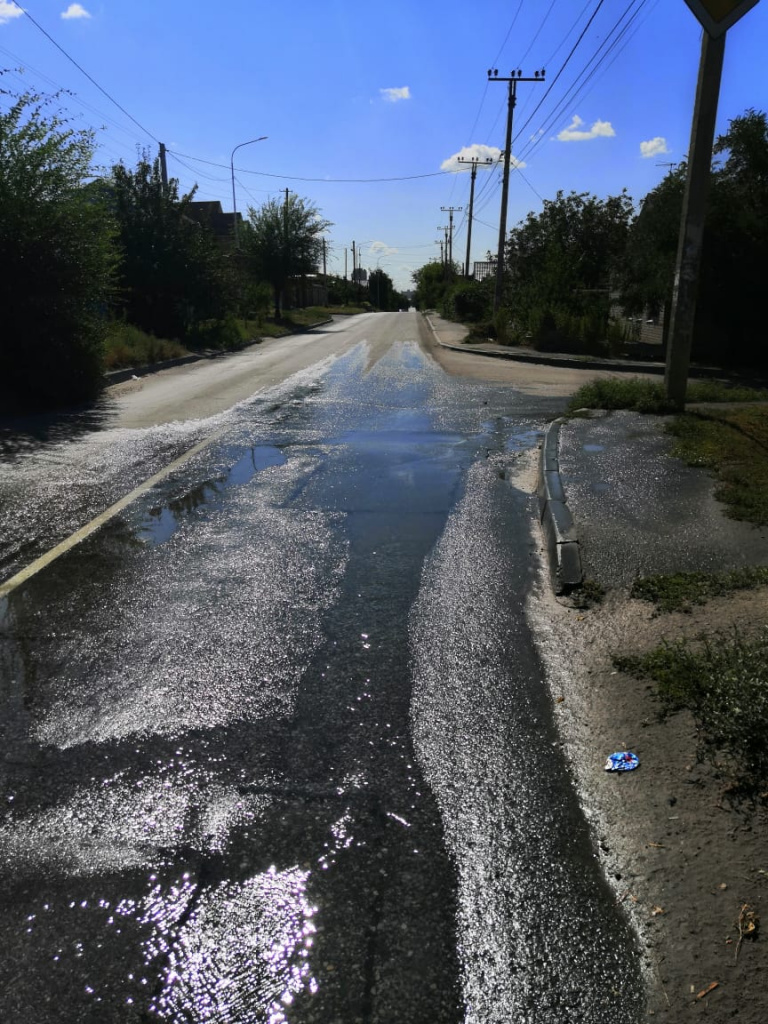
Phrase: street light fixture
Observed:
(232, 168)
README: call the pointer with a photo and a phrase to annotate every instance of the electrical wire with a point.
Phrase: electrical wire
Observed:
(537, 34)
(509, 33)
(611, 40)
(565, 65)
(296, 177)
(82, 70)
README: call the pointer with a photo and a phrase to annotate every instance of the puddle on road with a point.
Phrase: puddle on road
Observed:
(593, 447)
(163, 521)
(520, 442)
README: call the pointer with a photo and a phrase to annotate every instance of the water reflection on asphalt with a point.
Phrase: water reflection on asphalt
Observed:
(275, 741)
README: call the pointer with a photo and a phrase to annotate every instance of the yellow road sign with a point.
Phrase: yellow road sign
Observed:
(717, 16)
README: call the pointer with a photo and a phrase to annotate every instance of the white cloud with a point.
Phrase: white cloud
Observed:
(8, 11)
(381, 249)
(476, 152)
(75, 11)
(574, 133)
(395, 95)
(653, 147)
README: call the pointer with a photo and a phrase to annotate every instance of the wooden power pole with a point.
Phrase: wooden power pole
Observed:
(514, 78)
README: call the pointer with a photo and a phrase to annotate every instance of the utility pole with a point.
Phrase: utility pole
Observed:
(355, 282)
(493, 76)
(325, 274)
(450, 210)
(444, 248)
(163, 167)
(346, 254)
(474, 162)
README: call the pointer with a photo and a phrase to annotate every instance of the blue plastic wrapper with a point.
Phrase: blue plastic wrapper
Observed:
(622, 761)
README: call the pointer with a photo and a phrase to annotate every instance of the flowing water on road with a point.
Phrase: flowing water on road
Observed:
(276, 743)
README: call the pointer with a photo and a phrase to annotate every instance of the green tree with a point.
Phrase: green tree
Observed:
(172, 272)
(381, 290)
(56, 252)
(561, 265)
(285, 240)
(432, 282)
(729, 307)
(736, 245)
(648, 264)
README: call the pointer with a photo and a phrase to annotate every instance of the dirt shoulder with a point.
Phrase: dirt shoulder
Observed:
(683, 857)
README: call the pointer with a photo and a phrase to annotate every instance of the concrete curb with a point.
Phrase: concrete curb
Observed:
(556, 519)
(573, 362)
(129, 372)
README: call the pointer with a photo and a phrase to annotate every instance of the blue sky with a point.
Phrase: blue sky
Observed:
(346, 91)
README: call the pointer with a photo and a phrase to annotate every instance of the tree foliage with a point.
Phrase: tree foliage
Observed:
(56, 254)
(172, 273)
(284, 240)
(560, 266)
(432, 281)
(729, 310)
(381, 291)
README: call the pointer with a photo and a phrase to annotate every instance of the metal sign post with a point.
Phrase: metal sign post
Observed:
(716, 17)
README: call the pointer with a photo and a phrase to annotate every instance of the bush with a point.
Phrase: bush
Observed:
(127, 345)
(468, 302)
(57, 255)
(227, 334)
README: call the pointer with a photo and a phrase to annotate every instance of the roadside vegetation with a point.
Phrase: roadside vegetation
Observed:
(721, 680)
(584, 272)
(126, 345)
(733, 445)
(679, 592)
(119, 270)
(648, 396)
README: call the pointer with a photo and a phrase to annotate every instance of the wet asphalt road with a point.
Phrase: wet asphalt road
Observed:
(275, 742)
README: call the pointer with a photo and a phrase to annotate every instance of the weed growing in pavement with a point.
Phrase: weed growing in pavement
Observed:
(679, 592)
(723, 681)
(588, 594)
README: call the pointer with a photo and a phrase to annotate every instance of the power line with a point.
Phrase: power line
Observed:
(562, 69)
(611, 40)
(81, 69)
(296, 177)
(506, 37)
(563, 41)
(536, 36)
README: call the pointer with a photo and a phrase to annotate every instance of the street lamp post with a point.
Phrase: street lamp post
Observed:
(232, 168)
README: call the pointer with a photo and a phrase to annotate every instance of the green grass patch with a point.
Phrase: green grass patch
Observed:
(127, 346)
(681, 591)
(648, 396)
(723, 681)
(733, 444)
(294, 320)
(588, 594)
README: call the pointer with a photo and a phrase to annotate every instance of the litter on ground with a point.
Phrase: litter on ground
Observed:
(622, 761)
